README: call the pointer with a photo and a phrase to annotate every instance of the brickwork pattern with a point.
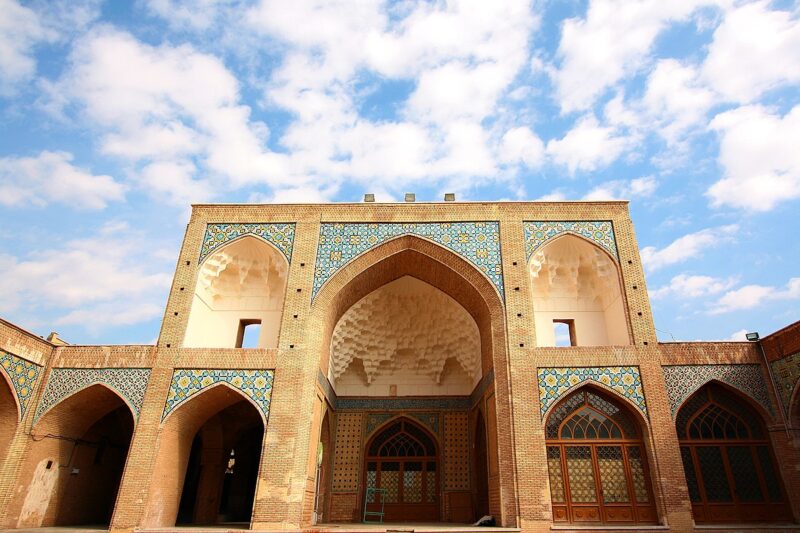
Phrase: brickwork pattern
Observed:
(186, 382)
(347, 452)
(22, 375)
(217, 235)
(625, 380)
(129, 383)
(683, 380)
(477, 242)
(537, 234)
(456, 451)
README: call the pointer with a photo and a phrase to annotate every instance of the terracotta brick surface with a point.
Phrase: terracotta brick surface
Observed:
(518, 486)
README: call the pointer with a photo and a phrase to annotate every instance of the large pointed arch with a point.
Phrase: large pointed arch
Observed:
(447, 271)
(41, 414)
(10, 414)
(177, 439)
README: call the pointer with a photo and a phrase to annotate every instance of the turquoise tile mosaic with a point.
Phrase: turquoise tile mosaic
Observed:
(374, 420)
(129, 383)
(555, 382)
(279, 234)
(787, 375)
(477, 242)
(683, 380)
(186, 382)
(599, 231)
(23, 376)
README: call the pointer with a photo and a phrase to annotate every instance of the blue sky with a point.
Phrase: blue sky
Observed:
(115, 116)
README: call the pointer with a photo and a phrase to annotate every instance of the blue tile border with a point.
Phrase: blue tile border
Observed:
(538, 233)
(280, 234)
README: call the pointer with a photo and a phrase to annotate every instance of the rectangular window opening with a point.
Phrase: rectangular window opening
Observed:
(249, 331)
(564, 330)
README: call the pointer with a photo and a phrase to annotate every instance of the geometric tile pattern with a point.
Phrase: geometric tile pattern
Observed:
(23, 376)
(554, 382)
(130, 383)
(280, 234)
(347, 452)
(599, 231)
(683, 380)
(787, 374)
(186, 382)
(456, 451)
(375, 420)
(477, 242)
(399, 403)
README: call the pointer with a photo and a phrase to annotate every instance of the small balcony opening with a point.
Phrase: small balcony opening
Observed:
(564, 331)
(249, 332)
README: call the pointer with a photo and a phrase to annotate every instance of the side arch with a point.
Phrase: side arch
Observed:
(5, 378)
(257, 238)
(766, 415)
(176, 440)
(47, 407)
(636, 409)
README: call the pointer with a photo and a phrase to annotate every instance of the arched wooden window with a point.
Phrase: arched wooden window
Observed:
(728, 461)
(598, 469)
(402, 460)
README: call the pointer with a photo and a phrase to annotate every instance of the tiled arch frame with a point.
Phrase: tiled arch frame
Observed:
(279, 235)
(787, 375)
(598, 232)
(446, 270)
(255, 386)
(476, 242)
(624, 382)
(129, 384)
(748, 379)
(22, 377)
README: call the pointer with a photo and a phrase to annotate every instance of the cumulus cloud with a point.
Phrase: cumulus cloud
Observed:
(611, 42)
(759, 156)
(104, 278)
(643, 187)
(50, 177)
(587, 146)
(686, 247)
(753, 50)
(521, 146)
(751, 296)
(692, 286)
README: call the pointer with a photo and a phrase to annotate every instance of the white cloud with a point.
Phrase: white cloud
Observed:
(611, 42)
(643, 187)
(754, 50)
(20, 30)
(739, 335)
(760, 157)
(50, 177)
(108, 278)
(521, 146)
(751, 296)
(158, 106)
(692, 286)
(587, 146)
(189, 14)
(686, 247)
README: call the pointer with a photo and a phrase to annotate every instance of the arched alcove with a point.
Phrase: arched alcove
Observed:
(207, 462)
(75, 461)
(597, 461)
(241, 284)
(728, 459)
(408, 335)
(576, 284)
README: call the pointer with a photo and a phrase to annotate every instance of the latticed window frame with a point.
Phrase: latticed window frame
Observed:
(733, 405)
(631, 436)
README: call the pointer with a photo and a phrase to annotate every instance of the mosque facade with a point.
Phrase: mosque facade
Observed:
(320, 366)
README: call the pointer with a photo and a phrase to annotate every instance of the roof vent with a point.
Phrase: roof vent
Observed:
(411, 197)
(369, 197)
(449, 197)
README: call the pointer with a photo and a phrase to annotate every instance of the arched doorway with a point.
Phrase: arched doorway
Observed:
(402, 459)
(728, 461)
(9, 416)
(597, 462)
(208, 461)
(75, 461)
(323, 470)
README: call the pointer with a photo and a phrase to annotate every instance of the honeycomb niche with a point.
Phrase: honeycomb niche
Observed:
(406, 338)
